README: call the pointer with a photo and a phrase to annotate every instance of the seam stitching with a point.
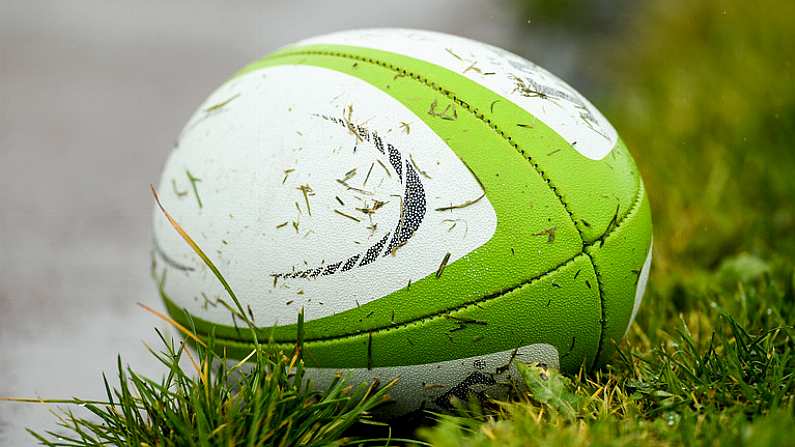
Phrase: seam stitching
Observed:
(424, 319)
(603, 320)
(450, 95)
(475, 303)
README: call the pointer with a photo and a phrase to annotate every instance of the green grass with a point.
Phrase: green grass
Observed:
(702, 92)
(217, 403)
(721, 372)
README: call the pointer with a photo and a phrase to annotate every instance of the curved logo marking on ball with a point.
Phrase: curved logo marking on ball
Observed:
(412, 211)
(168, 259)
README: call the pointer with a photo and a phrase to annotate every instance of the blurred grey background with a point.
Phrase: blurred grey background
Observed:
(92, 96)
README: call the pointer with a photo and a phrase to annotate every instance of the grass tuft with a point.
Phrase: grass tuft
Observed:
(715, 378)
(264, 402)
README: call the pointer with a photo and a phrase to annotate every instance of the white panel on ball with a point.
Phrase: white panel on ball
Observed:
(261, 138)
(524, 83)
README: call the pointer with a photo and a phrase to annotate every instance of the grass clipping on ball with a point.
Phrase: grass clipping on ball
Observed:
(260, 400)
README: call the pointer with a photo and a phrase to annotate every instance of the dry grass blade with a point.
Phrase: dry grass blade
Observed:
(174, 323)
(199, 252)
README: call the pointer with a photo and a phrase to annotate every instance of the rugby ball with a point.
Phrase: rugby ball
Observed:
(440, 209)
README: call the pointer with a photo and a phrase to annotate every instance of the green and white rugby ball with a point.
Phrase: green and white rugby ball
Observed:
(440, 208)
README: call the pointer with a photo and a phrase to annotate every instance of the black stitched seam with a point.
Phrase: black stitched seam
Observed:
(476, 113)
(424, 319)
(635, 206)
(475, 303)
